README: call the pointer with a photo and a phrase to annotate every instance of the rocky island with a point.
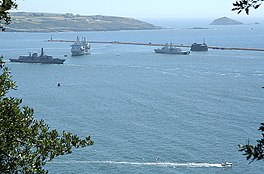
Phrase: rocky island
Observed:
(225, 21)
(50, 22)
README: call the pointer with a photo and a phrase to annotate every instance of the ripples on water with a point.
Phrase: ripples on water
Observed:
(147, 113)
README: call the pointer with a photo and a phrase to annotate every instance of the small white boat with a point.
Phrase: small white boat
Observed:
(226, 164)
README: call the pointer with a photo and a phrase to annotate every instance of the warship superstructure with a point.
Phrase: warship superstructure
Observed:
(80, 47)
(170, 49)
(35, 58)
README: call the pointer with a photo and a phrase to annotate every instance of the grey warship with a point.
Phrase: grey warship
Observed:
(42, 58)
(170, 49)
(80, 47)
(199, 46)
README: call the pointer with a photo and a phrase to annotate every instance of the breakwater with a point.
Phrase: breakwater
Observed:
(157, 44)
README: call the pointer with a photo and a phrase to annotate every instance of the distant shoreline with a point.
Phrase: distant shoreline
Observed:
(50, 22)
(72, 31)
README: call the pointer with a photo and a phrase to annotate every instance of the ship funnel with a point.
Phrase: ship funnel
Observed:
(42, 52)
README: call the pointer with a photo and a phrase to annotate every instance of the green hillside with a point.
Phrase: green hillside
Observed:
(47, 22)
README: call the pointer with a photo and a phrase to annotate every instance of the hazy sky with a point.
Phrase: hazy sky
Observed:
(141, 9)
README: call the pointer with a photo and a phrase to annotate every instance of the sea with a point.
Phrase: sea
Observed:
(147, 113)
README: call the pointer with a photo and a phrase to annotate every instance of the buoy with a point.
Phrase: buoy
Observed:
(58, 84)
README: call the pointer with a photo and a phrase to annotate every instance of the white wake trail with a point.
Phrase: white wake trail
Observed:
(160, 164)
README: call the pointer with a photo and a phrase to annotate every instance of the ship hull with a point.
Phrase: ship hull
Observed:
(79, 53)
(199, 49)
(172, 52)
(55, 61)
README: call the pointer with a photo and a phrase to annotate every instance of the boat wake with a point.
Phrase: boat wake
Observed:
(159, 164)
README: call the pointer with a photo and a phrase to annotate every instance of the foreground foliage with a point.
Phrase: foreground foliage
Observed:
(26, 145)
(241, 5)
(254, 152)
(5, 18)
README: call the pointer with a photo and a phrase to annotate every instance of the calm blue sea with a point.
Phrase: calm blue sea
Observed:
(148, 113)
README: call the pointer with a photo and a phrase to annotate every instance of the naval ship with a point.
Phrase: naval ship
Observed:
(199, 46)
(170, 49)
(80, 47)
(42, 58)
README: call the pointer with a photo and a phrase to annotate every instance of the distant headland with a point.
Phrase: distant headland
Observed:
(225, 21)
(51, 22)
